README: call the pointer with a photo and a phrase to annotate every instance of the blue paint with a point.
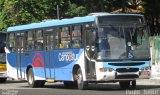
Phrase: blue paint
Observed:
(11, 57)
(54, 67)
(146, 64)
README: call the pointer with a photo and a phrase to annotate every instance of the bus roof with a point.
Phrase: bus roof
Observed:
(2, 32)
(51, 23)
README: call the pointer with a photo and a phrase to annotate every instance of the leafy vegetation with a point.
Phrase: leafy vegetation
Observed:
(16, 12)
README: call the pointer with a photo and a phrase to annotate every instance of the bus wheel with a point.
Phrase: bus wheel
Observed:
(133, 84)
(2, 80)
(124, 84)
(80, 83)
(31, 82)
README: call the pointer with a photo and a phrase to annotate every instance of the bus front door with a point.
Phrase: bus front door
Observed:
(19, 56)
(49, 66)
(90, 53)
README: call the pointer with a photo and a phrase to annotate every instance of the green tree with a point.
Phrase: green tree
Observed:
(16, 12)
(134, 3)
(74, 10)
(6, 11)
(152, 12)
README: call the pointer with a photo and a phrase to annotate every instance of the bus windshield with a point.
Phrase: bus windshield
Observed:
(123, 41)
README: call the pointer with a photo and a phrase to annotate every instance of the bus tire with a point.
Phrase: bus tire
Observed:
(124, 84)
(32, 82)
(3, 80)
(82, 85)
(133, 86)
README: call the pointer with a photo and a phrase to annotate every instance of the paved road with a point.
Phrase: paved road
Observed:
(144, 87)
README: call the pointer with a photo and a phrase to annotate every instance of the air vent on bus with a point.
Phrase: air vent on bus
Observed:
(127, 64)
(124, 70)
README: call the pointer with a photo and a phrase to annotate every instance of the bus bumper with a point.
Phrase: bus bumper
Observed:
(3, 74)
(115, 76)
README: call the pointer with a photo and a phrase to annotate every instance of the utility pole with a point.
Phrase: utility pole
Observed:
(123, 6)
(57, 12)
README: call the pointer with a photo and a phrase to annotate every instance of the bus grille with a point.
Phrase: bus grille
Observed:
(127, 76)
(123, 70)
(126, 64)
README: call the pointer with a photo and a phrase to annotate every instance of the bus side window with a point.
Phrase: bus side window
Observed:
(52, 41)
(38, 40)
(30, 41)
(57, 39)
(76, 37)
(65, 38)
(11, 39)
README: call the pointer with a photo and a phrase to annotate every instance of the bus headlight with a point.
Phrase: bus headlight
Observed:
(110, 69)
(146, 68)
(105, 69)
(102, 69)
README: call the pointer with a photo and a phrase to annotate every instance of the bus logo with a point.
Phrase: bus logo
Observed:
(67, 56)
(38, 60)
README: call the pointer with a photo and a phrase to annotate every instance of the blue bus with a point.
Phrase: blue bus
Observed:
(77, 51)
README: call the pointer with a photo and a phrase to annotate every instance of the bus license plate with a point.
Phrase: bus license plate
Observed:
(144, 73)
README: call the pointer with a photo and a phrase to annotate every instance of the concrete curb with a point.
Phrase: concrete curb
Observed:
(148, 81)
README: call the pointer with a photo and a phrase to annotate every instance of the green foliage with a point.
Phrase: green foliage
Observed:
(17, 12)
(6, 12)
(75, 10)
(152, 12)
(156, 41)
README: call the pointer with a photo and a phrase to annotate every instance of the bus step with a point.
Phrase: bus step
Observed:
(50, 80)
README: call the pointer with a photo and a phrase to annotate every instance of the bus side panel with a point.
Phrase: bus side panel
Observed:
(26, 61)
(52, 65)
(64, 61)
(39, 65)
(36, 60)
(48, 65)
(22, 67)
(11, 65)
